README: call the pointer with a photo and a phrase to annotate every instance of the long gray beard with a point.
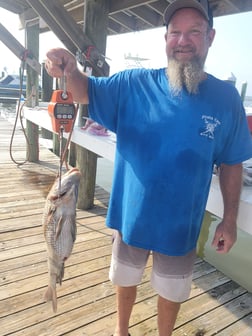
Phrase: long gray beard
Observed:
(187, 75)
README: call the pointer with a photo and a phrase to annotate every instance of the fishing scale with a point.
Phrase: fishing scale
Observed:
(62, 110)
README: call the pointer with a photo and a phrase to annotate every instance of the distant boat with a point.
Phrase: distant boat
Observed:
(10, 86)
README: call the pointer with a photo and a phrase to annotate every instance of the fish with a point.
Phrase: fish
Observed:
(59, 227)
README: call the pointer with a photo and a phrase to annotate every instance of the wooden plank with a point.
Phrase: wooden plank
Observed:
(143, 321)
(96, 240)
(40, 280)
(189, 311)
(19, 257)
(242, 328)
(104, 325)
(34, 298)
(39, 268)
(29, 235)
(21, 223)
(44, 324)
(227, 313)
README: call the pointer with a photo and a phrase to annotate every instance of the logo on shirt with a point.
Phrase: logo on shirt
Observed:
(210, 125)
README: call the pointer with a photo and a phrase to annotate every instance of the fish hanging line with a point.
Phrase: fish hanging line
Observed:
(19, 110)
(62, 153)
(63, 112)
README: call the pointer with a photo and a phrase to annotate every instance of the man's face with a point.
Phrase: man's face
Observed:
(188, 39)
(188, 36)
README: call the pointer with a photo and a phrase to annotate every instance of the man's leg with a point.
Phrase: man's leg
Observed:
(167, 314)
(126, 270)
(126, 297)
(171, 278)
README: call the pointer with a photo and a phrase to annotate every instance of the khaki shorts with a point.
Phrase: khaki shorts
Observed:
(171, 276)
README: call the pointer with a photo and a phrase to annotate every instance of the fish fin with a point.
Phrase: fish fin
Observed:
(47, 218)
(69, 221)
(61, 274)
(73, 228)
(51, 295)
(59, 227)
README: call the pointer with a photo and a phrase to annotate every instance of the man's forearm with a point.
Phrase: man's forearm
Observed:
(230, 184)
(77, 83)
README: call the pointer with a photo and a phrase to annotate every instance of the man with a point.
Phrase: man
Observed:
(173, 125)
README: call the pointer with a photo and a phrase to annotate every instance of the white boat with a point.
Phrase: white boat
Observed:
(10, 86)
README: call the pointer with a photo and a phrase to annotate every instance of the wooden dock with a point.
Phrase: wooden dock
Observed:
(86, 299)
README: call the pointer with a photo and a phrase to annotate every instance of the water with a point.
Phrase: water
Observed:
(8, 111)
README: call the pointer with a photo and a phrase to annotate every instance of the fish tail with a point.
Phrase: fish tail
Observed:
(50, 295)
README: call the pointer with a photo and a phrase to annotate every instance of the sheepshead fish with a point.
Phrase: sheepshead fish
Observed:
(59, 225)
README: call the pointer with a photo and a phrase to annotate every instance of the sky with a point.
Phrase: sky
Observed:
(231, 51)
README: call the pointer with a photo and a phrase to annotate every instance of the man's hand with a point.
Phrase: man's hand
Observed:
(60, 62)
(225, 237)
(230, 183)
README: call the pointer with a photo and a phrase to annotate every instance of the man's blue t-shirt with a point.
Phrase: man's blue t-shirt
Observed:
(166, 149)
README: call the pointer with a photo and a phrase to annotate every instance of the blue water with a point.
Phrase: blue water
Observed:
(8, 111)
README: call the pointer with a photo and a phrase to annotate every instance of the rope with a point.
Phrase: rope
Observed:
(63, 156)
(19, 116)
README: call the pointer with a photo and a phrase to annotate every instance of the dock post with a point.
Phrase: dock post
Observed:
(47, 88)
(32, 130)
(243, 91)
(95, 27)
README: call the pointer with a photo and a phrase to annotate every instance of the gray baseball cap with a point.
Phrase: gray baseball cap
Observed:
(201, 5)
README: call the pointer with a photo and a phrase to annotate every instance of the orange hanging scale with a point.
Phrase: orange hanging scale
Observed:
(62, 110)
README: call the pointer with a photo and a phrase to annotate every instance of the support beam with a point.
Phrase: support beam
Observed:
(64, 26)
(117, 6)
(53, 25)
(16, 47)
